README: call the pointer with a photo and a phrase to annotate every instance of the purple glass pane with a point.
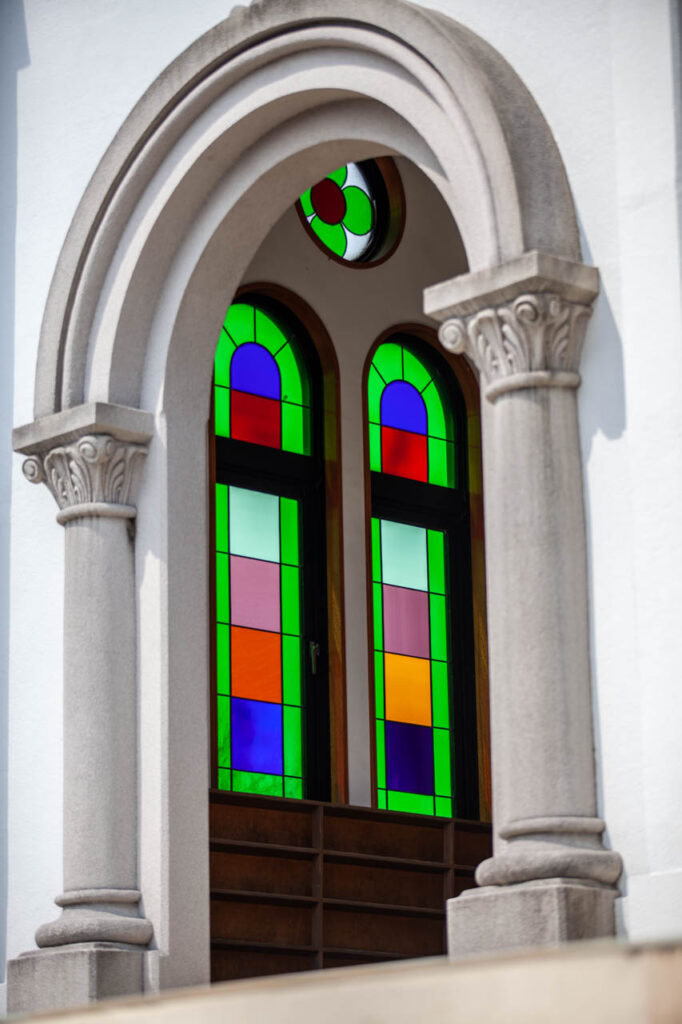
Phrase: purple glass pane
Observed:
(409, 758)
(406, 622)
(256, 736)
(403, 407)
(254, 370)
(254, 593)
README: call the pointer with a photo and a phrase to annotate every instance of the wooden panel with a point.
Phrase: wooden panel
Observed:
(393, 933)
(260, 873)
(384, 884)
(229, 964)
(249, 919)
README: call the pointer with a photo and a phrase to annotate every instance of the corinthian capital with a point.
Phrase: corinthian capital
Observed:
(522, 324)
(94, 475)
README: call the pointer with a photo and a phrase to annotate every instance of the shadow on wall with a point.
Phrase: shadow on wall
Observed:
(13, 57)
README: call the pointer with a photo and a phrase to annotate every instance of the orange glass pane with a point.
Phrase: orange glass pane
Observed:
(256, 665)
(408, 689)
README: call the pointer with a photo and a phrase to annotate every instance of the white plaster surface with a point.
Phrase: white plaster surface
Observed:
(603, 73)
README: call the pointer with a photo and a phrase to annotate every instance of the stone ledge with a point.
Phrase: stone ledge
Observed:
(119, 421)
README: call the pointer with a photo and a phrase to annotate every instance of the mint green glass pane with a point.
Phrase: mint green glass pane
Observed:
(439, 634)
(379, 684)
(381, 756)
(223, 710)
(375, 447)
(239, 322)
(295, 429)
(377, 611)
(331, 235)
(256, 782)
(443, 807)
(441, 463)
(359, 211)
(293, 788)
(441, 762)
(222, 587)
(254, 524)
(223, 358)
(288, 518)
(307, 202)
(415, 371)
(376, 550)
(440, 694)
(439, 423)
(293, 744)
(291, 670)
(388, 360)
(403, 555)
(375, 387)
(410, 803)
(221, 536)
(223, 658)
(268, 334)
(221, 411)
(381, 799)
(340, 175)
(436, 543)
(224, 778)
(293, 376)
(291, 600)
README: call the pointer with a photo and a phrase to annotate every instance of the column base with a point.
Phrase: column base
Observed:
(68, 976)
(539, 913)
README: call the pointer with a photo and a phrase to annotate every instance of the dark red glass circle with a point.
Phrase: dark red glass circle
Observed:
(329, 202)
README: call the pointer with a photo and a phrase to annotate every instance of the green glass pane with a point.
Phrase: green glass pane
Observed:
(221, 539)
(223, 710)
(377, 611)
(254, 524)
(222, 587)
(441, 463)
(295, 429)
(439, 424)
(440, 694)
(224, 778)
(410, 803)
(375, 447)
(388, 360)
(381, 799)
(340, 175)
(443, 807)
(256, 782)
(288, 518)
(293, 788)
(441, 762)
(291, 670)
(436, 543)
(294, 379)
(239, 322)
(375, 386)
(291, 600)
(306, 202)
(403, 555)
(223, 358)
(381, 756)
(331, 235)
(221, 411)
(376, 550)
(293, 744)
(439, 633)
(223, 658)
(414, 370)
(379, 684)
(359, 211)
(268, 334)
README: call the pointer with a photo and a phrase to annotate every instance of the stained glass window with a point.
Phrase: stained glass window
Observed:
(261, 388)
(410, 426)
(341, 210)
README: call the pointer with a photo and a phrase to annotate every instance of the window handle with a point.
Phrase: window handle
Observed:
(314, 649)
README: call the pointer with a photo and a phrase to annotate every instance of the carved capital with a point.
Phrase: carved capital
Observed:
(533, 340)
(93, 476)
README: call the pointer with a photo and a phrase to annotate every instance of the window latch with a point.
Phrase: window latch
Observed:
(314, 649)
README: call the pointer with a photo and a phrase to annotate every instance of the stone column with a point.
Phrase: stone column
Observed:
(550, 879)
(94, 948)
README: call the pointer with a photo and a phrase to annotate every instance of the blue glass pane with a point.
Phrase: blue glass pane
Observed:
(409, 758)
(403, 407)
(255, 370)
(256, 736)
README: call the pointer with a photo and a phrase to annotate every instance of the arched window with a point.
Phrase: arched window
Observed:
(423, 657)
(271, 725)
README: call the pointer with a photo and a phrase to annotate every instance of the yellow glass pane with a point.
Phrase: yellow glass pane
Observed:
(408, 689)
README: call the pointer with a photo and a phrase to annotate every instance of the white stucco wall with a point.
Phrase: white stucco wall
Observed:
(603, 73)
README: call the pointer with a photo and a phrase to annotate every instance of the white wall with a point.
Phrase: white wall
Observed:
(602, 72)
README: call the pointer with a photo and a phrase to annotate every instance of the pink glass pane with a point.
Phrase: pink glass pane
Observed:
(254, 593)
(406, 622)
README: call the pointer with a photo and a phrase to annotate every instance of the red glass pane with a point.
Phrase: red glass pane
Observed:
(404, 454)
(255, 419)
(328, 201)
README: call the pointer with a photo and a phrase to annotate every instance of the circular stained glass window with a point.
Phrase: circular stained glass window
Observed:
(355, 214)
